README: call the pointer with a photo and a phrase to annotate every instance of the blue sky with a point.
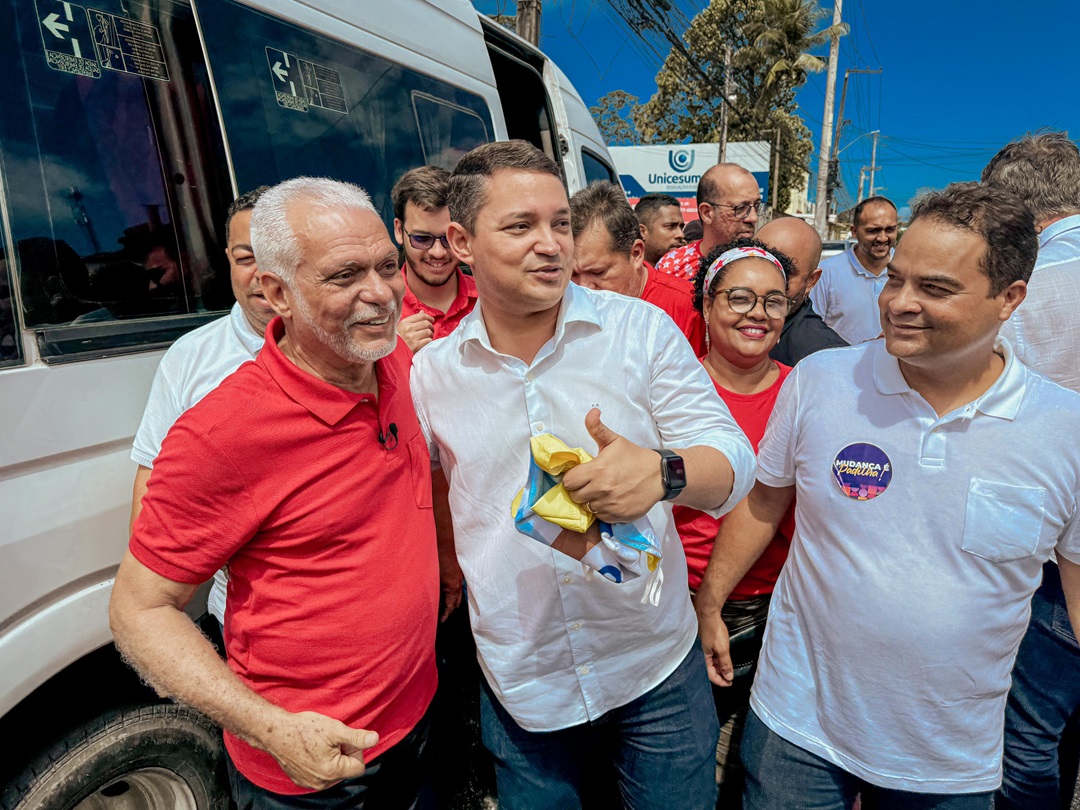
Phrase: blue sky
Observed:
(961, 78)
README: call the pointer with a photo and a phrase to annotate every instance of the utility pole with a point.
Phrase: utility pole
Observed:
(862, 182)
(775, 174)
(821, 211)
(873, 162)
(528, 20)
(840, 114)
(724, 107)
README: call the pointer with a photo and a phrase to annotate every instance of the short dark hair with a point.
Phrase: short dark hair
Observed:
(605, 202)
(466, 191)
(245, 202)
(1004, 222)
(879, 200)
(424, 187)
(1043, 170)
(699, 280)
(648, 207)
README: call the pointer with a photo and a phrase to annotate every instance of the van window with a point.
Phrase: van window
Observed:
(114, 172)
(298, 103)
(596, 168)
(10, 347)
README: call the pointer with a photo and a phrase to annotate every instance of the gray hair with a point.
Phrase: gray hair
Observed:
(272, 238)
(1043, 170)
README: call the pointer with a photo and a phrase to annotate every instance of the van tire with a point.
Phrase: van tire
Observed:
(158, 757)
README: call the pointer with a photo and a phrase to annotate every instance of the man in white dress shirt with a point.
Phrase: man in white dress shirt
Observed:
(582, 674)
(846, 294)
(1044, 171)
(933, 475)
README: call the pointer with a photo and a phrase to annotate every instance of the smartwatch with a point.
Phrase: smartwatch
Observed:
(672, 474)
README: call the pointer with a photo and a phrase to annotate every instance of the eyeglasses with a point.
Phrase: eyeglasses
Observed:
(426, 241)
(741, 301)
(739, 211)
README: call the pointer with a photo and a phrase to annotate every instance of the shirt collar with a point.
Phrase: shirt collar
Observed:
(1002, 399)
(577, 306)
(326, 402)
(858, 266)
(466, 289)
(244, 331)
(1058, 228)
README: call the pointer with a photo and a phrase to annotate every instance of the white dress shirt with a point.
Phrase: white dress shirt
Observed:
(846, 297)
(897, 617)
(559, 645)
(1045, 328)
(192, 368)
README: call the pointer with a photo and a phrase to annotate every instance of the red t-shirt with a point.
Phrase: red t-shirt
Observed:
(676, 298)
(698, 530)
(682, 262)
(329, 536)
(445, 322)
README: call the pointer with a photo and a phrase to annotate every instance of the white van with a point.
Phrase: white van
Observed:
(128, 126)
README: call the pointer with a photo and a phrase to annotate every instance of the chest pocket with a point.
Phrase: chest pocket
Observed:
(1003, 521)
(420, 470)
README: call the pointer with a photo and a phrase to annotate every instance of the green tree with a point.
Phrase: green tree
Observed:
(770, 42)
(613, 114)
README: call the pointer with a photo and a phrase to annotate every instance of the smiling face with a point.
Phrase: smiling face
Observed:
(433, 266)
(344, 301)
(936, 309)
(522, 248)
(244, 272)
(744, 340)
(875, 235)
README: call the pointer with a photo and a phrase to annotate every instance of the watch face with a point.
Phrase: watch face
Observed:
(676, 472)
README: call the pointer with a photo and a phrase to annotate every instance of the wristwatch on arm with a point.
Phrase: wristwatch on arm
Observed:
(672, 474)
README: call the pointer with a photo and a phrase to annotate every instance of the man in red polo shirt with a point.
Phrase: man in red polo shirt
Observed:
(728, 200)
(437, 294)
(306, 472)
(609, 254)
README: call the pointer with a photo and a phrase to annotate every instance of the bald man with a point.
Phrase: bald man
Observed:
(728, 200)
(804, 331)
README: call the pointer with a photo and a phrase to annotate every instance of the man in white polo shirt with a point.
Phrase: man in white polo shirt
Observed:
(195, 364)
(846, 295)
(934, 474)
(584, 674)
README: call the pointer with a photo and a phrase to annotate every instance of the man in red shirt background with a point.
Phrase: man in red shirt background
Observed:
(728, 200)
(437, 294)
(304, 470)
(609, 254)
(661, 223)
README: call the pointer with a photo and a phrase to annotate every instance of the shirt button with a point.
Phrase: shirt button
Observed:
(530, 377)
(567, 579)
(538, 426)
(575, 626)
(584, 670)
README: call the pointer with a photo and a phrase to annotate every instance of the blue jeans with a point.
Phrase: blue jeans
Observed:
(659, 750)
(782, 776)
(1045, 693)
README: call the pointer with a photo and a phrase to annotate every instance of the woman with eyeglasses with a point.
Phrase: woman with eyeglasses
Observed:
(740, 291)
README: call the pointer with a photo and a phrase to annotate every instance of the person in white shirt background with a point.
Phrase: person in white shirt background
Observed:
(195, 364)
(846, 294)
(582, 674)
(1044, 171)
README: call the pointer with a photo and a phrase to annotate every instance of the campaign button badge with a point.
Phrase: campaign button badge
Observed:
(862, 471)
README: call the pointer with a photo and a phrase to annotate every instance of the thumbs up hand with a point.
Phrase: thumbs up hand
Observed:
(622, 482)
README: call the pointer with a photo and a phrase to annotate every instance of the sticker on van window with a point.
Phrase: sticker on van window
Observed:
(128, 46)
(65, 35)
(301, 83)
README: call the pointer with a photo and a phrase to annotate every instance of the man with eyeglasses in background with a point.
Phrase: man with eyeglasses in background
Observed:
(437, 294)
(728, 200)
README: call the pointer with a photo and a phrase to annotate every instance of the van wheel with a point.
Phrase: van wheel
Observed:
(155, 757)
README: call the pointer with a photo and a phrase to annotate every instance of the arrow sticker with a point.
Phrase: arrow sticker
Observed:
(282, 75)
(52, 22)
